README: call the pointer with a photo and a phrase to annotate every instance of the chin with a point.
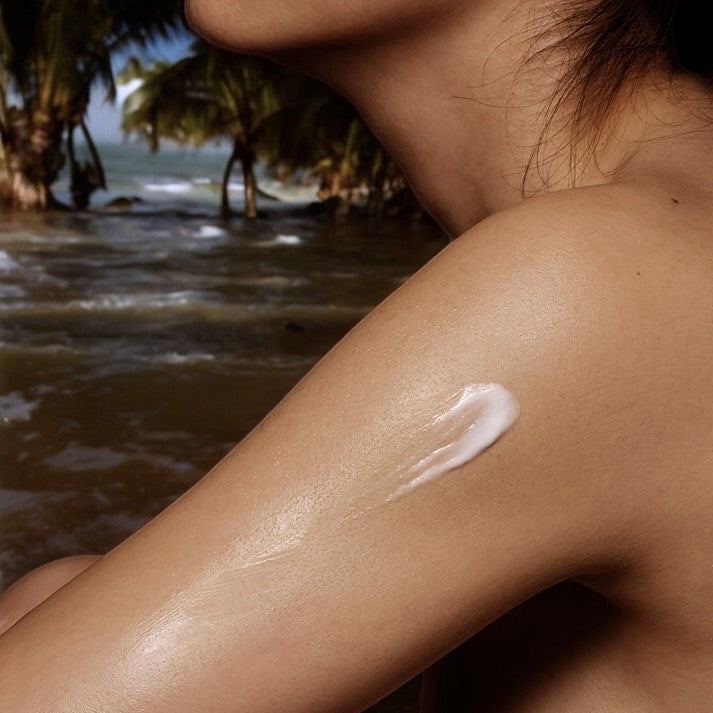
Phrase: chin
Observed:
(233, 24)
(271, 27)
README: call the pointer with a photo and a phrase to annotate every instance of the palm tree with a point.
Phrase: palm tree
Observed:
(52, 53)
(328, 134)
(211, 95)
(265, 110)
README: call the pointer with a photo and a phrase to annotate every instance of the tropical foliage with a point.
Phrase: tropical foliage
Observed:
(211, 95)
(53, 53)
(353, 167)
(265, 111)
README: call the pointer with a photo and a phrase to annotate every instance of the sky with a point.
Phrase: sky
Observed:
(103, 118)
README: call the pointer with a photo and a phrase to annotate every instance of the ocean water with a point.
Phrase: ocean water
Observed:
(185, 180)
(137, 348)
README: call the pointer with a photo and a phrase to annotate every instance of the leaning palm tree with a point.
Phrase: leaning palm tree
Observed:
(211, 95)
(52, 53)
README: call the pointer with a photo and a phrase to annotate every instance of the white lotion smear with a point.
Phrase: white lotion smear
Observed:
(472, 420)
(464, 425)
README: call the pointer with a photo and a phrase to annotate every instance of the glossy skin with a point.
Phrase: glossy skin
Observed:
(35, 587)
(592, 305)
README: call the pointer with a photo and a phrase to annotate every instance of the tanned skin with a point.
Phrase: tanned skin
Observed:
(565, 570)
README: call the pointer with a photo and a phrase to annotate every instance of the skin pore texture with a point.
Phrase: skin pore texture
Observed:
(352, 540)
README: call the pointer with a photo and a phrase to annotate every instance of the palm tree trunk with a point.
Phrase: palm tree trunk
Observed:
(3, 99)
(101, 176)
(70, 144)
(73, 165)
(83, 178)
(224, 202)
(248, 161)
(32, 160)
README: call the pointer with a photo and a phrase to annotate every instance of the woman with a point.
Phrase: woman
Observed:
(569, 147)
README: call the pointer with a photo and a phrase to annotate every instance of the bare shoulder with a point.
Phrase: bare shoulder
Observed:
(617, 232)
(610, 291)
(581, 303)
(624, 269)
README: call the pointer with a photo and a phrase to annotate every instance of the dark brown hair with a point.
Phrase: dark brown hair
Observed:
(608, 44)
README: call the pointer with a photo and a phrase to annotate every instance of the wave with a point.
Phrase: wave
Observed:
(121, 357)
(15, 407)
(279, 239)
(37, 349)
(12, 501)
(176, 358)
(7, 262)
(288, 239)
(11, 291)
(173, 187)
(185, 302)
(270, 281)
(209, 231)
(78, 458)
(119, 302)
(13, 271)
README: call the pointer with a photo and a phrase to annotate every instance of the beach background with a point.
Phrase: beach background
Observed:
(138, 347)
(154, 304)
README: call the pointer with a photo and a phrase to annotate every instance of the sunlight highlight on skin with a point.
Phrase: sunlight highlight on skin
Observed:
(467, 423)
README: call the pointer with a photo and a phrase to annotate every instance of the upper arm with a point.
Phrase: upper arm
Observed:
(261, 590)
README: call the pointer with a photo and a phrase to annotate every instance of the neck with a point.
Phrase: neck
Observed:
(450, 103)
